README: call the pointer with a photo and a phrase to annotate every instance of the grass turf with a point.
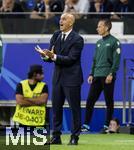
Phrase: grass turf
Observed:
(86, 142)
(99, 142)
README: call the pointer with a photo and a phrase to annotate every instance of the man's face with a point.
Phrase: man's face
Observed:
(39, 77)
(113, 126)
(65, 23)
(101, 28)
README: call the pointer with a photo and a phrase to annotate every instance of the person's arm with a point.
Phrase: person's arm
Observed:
(93, 66)
(42, 52)
(116, 57)
(23, 101)
(20, 100)
(94, 61)
(68, 6)
(116, 62)
(48, 13)
(91, 75)
(73, 56)
(41, 100)
(35, 15)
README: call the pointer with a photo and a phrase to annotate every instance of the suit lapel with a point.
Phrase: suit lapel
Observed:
(67, 41)
(57, 43)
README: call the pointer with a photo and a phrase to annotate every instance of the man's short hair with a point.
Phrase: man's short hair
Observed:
(107, 23)
(35, 69)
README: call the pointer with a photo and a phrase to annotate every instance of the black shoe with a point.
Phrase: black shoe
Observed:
(73, 140)
(55, 140)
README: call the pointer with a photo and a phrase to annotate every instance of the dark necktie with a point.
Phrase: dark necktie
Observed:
(63, 39)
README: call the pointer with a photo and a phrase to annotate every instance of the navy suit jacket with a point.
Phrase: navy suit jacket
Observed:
(68, 63)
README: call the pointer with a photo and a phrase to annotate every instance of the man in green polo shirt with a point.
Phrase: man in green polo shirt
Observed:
(103, 73)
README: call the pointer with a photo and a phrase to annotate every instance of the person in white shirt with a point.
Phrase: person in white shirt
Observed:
(77, 7)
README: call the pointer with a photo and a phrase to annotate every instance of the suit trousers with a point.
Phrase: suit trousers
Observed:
(73, 96)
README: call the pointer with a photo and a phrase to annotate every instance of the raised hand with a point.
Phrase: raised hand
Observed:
(50, 54)
(41, 51)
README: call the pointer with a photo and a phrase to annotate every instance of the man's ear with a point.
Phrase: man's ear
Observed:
(70, 24)
(107, 28)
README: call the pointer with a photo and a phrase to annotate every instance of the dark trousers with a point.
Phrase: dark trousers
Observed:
(98, 85)
(72, 94)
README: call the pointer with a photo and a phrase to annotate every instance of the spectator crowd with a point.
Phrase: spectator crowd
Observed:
(41, 9)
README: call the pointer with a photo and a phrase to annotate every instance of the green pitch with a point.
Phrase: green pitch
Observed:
(86, 142)
(99, 142)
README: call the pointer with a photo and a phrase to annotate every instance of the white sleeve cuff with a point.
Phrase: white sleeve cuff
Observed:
(45, 58)
(55, 57)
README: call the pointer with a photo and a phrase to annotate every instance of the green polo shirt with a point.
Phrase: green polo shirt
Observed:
(107, 56)
(0, 53)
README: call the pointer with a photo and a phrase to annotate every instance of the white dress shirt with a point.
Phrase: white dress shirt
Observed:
(66, 33)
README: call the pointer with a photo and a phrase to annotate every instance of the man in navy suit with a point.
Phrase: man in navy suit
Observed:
(66, 46)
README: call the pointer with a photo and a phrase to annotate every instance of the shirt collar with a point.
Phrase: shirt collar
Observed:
(67, 33)
(105, 37)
